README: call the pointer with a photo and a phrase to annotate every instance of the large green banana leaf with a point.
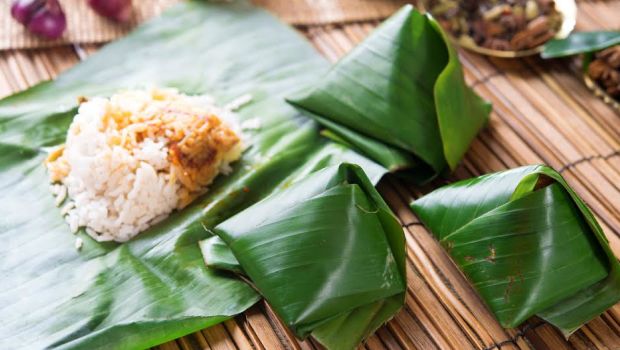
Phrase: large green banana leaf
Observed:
(400, 98)
(528, 244)
(156, 287)
(326, 252)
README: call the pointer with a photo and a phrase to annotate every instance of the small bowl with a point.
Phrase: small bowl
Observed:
(566, 8)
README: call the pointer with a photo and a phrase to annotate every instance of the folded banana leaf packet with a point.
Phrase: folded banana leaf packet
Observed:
(528, 244)
(399, 98)
(326, 253)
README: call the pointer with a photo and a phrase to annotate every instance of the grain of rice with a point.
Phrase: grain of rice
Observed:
(238, 102)
(61, 195)
(79, 243)
(251, 124)
(72, 219)
(91, 232)
(66, 208)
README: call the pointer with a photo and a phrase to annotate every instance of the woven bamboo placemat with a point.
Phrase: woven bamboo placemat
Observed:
(543, 113)
(85, 26)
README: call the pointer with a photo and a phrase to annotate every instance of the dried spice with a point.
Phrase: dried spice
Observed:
(499, 25)
(605, 70)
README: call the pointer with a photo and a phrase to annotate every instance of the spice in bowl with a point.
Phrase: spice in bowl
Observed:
(605, 70)
(516, 25)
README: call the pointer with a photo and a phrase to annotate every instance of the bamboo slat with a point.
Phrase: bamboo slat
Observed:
(542, 114)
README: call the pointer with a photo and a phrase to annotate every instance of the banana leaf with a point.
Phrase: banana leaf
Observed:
(528, 244)
(156, 287)
(334, 229)
(580, 42)
(400, 98)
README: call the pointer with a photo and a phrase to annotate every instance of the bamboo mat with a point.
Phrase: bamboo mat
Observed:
(543, 113)
(85, 26)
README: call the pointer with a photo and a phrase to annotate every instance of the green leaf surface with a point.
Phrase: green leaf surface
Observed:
(528, 244)
(335, 230)
(217, 255)
(392, 158)
(580, 42)
(401, 91)
(156, 287)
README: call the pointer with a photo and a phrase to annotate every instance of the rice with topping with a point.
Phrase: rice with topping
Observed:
(131, 159)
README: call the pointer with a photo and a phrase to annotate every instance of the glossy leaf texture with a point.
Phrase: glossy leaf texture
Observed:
(528, 244)
(156, 287)
(580, 42)
(326, 253)
(400, 97)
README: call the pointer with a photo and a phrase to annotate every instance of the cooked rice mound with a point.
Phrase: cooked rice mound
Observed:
(132, 159)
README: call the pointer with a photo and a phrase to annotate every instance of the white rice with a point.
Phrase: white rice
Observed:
(238, 102)
(116, 192)
(251, 124)
(79, 243)
(61, 195)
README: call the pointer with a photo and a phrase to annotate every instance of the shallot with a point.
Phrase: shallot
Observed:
(44, 18)
(116, 10)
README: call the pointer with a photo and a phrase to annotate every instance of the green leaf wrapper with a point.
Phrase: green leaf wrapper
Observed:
(156, 287)
(580, 42)
(528, 244)
(400, 98)
(327, 253)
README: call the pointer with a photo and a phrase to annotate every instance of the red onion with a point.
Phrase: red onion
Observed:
(49, 21)
(22, 10)
(117, 10)
(42, 17)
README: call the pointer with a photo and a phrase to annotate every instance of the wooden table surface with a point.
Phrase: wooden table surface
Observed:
(543, 113)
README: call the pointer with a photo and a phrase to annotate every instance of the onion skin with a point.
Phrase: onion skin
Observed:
(116, 10)
(44, 18)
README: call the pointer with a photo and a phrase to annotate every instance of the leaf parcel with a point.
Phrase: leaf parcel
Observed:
(528, 244)
(156, 287)
(326, 253)
(400, 98)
